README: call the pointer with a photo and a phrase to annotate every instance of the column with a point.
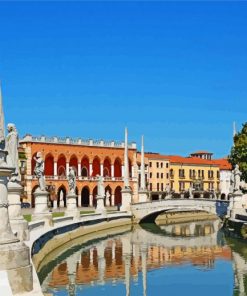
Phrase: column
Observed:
(79, 200)
(112, 171)
(91, 200)
(79, 169)
(113, 200)
(126, 191)
(90, 169)
(101, 169)
(143, 181)
(67, 168)
(143, 193)
(126, 161)
(132, 171)
(55, 169)
(122, 170)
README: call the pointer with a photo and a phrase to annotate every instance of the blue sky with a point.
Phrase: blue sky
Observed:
(173, 71)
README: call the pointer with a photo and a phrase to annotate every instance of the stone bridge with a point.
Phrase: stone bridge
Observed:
(147, 212)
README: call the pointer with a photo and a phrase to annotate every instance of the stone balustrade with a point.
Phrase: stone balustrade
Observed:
(76, 141)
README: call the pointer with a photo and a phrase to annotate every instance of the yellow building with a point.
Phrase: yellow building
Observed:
(158, 175)
(200, 172)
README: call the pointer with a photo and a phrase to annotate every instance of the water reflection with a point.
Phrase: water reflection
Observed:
(127, 259)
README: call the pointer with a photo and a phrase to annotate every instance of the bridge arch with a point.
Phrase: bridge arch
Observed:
(149, 211)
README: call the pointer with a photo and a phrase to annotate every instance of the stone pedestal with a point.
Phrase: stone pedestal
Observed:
(14, 255)
(237, 205)
(71, 206)
(41, 211)
(18, 224)
(126, 199)
(15, 259)
(143, 196)
(100, 209)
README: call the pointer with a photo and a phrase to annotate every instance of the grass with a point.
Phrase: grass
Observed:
(86, 212)
(28, 217)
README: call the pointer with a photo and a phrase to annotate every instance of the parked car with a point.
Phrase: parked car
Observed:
(25, 205)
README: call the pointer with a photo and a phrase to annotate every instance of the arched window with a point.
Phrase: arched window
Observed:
(61, 196)
(85, 197)
(118, 196)
(74, 163)
(117, 168)
(107, 168)
(49, 165)
(96, 167)
(61, 165)
(85, 167)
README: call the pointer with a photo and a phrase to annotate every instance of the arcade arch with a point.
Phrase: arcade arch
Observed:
(85, 197)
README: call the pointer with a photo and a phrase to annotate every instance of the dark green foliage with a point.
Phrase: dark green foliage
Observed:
(239, 151)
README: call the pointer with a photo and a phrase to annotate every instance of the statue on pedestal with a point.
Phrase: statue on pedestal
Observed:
(191, 189)
(100, 186)
(39, 170)
(72, 180)
(235, 180)
(168, 189)
(11, 146)
(108, 196)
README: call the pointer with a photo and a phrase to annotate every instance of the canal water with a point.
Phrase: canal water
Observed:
(178, 259)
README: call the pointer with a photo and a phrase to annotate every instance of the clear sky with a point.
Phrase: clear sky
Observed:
(173, 71)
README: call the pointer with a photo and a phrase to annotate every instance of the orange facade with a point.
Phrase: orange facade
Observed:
(88, 161)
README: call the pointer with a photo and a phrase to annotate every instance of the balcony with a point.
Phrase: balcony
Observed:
(90, 179)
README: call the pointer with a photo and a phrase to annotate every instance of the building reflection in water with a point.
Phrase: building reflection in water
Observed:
(122, 258)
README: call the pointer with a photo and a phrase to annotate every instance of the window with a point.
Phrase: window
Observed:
(150, 186)
(190, 173)
(150, 175)
(218, 174)
(181, 173)
(167, 165)
(157, 164)
(162, 187)
(210, 174)
(161, 175)
(158, 175)
(167, 176)
(171, 173)
(150, 164)
(203, 174)
(199, 173)
(158, 186)
(181, 186)
(161, 164)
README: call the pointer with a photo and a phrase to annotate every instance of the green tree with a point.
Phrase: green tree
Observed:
(238, 153)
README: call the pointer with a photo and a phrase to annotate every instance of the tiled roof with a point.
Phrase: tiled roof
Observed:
(190, 160)
(223, 163)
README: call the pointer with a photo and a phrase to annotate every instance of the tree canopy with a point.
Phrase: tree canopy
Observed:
(238, 153)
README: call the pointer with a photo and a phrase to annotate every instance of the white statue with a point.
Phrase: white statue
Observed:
(191, 189)
(107, 195)
(11, 146)
(235, 179)
(72, 180)
(100, 186)
(168, 189)
(39, 170)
